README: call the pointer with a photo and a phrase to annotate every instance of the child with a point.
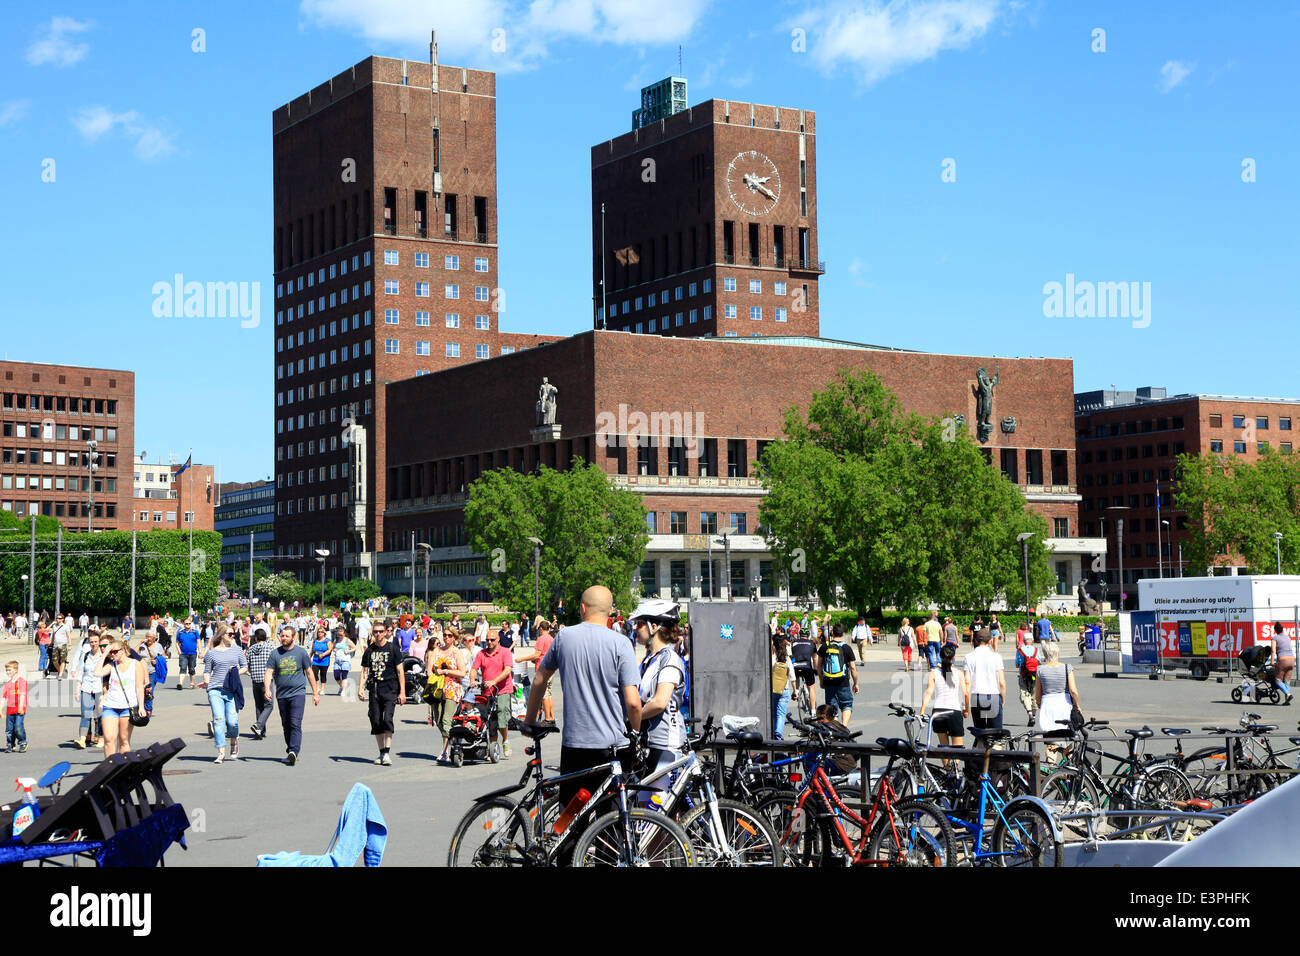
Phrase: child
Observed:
(15, 697)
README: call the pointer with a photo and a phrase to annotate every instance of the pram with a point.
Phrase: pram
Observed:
(417, 679)
(474, 728)
(1258, 676)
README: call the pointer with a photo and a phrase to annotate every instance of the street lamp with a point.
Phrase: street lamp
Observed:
(1160, 548)
(321, 555)
(1023, 538)
(1119, 546)
(92, 466)
(31, 604)
(537, 575)
(428, 552)
(1277, 539)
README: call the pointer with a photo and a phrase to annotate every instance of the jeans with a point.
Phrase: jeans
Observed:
(89, 723)
(291, 709)
(15, 732)
(262, 706)
(932, 654)
(44, 661)
(225, 719)
(780, 704)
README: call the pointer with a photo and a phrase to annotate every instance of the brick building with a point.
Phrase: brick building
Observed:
(385, 243)
(50, 414)
(1128, 443)
(709, 223)
(162, 499)
(738, 391)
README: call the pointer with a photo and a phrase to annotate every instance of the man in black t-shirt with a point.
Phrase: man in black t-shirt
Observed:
(383, 678)
(838, 670)
(803, 652)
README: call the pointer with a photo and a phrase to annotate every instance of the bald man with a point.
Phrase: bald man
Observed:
(601, 701)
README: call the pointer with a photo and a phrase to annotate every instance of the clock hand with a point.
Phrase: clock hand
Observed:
(766, 192)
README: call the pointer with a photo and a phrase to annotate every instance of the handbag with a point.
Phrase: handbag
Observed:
(435, 685)
(138, 717)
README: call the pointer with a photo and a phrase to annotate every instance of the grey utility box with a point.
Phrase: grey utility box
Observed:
(731, 662)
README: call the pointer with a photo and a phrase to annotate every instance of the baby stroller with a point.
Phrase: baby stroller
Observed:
(474, 729)
(1257, 676)
(417, 679)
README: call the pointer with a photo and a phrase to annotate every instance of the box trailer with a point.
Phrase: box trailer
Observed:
(1204, 623)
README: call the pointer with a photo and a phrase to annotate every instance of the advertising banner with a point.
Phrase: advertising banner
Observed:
(1145, 638)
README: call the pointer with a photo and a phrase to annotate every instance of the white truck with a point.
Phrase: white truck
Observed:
(1202, 622)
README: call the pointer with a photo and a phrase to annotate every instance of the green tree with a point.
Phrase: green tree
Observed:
(356, 589)
(892, 508)
(592, 533)
(1234, 507)
(239, 581)
(282, 586)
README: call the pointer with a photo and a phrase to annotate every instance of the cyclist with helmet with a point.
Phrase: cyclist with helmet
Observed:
(803, 650)
(663, 676)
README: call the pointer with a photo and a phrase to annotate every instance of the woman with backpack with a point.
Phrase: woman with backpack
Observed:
(906, 641)
(1055, 693)
(1028, 660)
(947, 691)
(783, 678)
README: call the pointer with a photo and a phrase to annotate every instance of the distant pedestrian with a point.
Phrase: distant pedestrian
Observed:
(290, 670)
(218, 663)
(1055, 692)
(1028, 661)
(930, 638)
(862, 637)
(906, 638)
(839, 673)
(125, 690)
(1046, 632)
(187, 651)
(259, 652)
(1284, 656)
(949, 693)
(986, 685)
(783, 684)
(15, 698)
(344, 648)
(89, 659)
(322, 649)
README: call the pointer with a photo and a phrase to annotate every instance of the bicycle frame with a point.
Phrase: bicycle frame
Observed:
(834, 810)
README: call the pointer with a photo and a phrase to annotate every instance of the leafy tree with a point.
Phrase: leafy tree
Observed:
(874, 500)
(281, 586)
(448, 597)
(1234, 507)
(239, 580)
(592, 533)
(356, 589)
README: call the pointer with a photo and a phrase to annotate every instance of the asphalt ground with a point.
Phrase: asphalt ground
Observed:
(259, 804)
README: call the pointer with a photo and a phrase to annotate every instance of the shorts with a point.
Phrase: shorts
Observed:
(841, 696)
(58, 654)
(805, 675)
(948, 722)
(381, 713)
(503, 711)
(116, 713)
(185, 664)
(986, 711)
(341, 675)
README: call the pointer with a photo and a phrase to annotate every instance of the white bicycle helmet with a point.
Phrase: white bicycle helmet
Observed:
(657, 612)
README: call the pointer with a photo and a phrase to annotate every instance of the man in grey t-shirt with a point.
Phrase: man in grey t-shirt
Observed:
(289, 668)
(601, 700)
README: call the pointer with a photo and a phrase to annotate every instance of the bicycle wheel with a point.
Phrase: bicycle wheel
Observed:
(747, 839)
(902, 782)
(1071, 791)
(1023, 837)
(493, 833)
(916, 833)
(656, 841)
(796, 829)
(1204, 769)
(1159, 789)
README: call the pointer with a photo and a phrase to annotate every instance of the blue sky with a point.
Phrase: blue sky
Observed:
(1117, 166)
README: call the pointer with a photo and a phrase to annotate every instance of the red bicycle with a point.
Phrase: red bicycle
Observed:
(818, 828)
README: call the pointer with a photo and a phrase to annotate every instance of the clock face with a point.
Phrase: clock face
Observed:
(753, 183)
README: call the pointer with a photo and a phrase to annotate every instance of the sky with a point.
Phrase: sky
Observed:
(971, 153)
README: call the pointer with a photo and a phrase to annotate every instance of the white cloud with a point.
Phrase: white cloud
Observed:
(879, 38)
(55, 45)
(465, 30)
(151, 143)
(1173, 73)
(12, 111)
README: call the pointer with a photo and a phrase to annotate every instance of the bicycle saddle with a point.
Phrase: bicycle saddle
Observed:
(1142, 733)
(537, 731)
(1294, 740)
(1261, 728)
(1220, 730)
(1174, 731)
(988, 734)
(746, 737)
(897, 747)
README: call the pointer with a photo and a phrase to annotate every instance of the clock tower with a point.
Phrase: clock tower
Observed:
(709, 224)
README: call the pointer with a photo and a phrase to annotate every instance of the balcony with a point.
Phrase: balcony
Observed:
(808, 265)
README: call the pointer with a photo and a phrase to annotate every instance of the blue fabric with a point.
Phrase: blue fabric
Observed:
(145, 843)
(234, 686)
(361, 828)
(13, 851)
(781, 705)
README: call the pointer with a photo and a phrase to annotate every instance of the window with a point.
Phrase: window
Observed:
(422, 318)
(480, 293)
(780, 315)
(1216, 421)
(451, 263)
(693, 289)
(453, 350)
(639, 300)
(756, 286)
(1239, 447)
(1060, 527)
(480, 264)
(677, 293)
(507, 350)
(707, 285)
(390, 257)
(1284, 424)
(756, 312)
(728, 284)
(647, 581)
(1238, 421)
(1261, 447)
(421, 260)
(421, 348)
(729, 311)
(1261, 421)
(1284, 447)
(677, 522)
(422, 290)
(708, 522)
(1033, 466)
(695, 316)
(778, 288)
(391, 287)
(654, 325)
(679, 318)
(738, 522)
(391, 347)
(481, 351)
(481, 322)
(453, 320)
(390, 317)
(708, 313)
(452, 292)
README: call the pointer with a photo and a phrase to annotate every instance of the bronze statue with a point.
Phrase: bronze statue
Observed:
(984, 402)
(546, 402)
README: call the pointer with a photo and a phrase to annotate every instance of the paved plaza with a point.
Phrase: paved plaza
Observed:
(258, 804)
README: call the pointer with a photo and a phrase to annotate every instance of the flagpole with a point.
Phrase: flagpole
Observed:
(189, 610)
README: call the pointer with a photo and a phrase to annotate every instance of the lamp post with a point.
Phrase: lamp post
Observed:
(1023, 538)
(537, 575)
(1277, 540)
(321, 555)
(428, 553)
(92, 466)
(1160, 548)
(30, 602)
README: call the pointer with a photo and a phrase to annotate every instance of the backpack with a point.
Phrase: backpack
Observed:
(780, 676)
(833, 660)
(1030, 665)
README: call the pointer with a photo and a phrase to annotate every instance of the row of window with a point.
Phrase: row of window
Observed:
(309, 420)
(1239, 447)
(48, 431)
(1115, 429)
(449, 291)
(59, 509)
(1118, 501)
(309, 336)
(689, 291)
(318, 275)
(674, 522)
(1117, 478)
(158, 516)
(20, 402)
(55, 483)
(307, 505)
(394, 347)
(452, 319)
(1261, 422)
(32, 456)
(392, 257)
(335, 385)
(311, 475)
(679, 584)
(312, 306)
(1162, 450)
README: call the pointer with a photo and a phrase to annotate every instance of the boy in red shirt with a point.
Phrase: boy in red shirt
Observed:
(15, 697)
